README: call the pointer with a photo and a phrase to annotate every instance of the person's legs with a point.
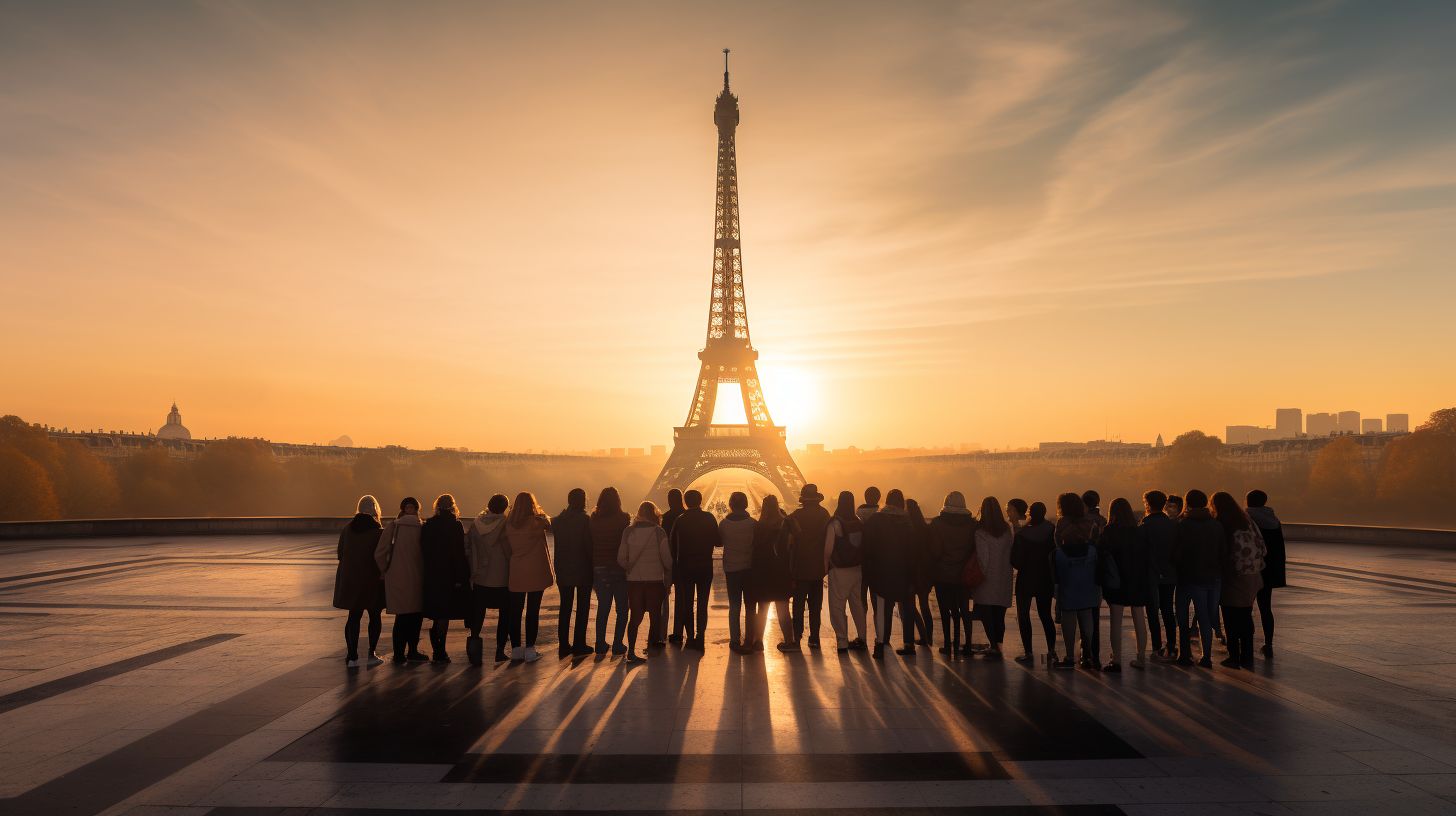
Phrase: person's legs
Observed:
(884, 616)
(735, 606)
(682, 609)
(412, 637)
(927, 630)
(619, 592)
(1246, 638)
(1140, 631)
(1069, 632)
(816, 610)
(351, 634)
(533, 617)
(1183, 595)
(1205, 606)
(854, 589)
(655, 595)
(1265, 599)
(798, 601)
(1048, 625)
(602, 587)
(1087, 622)
(702, 591)
(564, 618)
(1023, 620)
(637, 606)
(1114, 631)
(504, 622)
(837, 600)
(583, 610)
(786, 624)
(996, 626)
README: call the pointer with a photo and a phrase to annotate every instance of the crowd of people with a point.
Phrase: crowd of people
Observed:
(1171, 568)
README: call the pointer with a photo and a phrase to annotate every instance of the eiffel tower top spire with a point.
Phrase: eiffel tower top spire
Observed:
(727, 311)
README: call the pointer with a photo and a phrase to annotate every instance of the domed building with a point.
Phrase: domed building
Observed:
(174, 429)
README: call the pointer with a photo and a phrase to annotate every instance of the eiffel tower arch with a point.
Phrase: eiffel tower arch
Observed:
(699, 445)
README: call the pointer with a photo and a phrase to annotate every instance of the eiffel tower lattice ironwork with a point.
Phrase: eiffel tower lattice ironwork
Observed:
(700, 446)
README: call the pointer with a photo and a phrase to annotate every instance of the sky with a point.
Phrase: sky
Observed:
(490, 225)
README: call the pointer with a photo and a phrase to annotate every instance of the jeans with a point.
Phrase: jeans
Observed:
(1205, 605)
(1044, 612)
(1161, 611)
(644, 598)
(885, 620)
(580, 598)
(760, 619)
(993, 620)
(810, 593)
(351, 630)
(846, 586)
(406, 632)
(1238, 624)
(610, 586)
(951, 597)
(1266, 613)
(739, 607)
(692, 605)
(528, 603)
(920, 605)
(1081, 622)
(1139, 628)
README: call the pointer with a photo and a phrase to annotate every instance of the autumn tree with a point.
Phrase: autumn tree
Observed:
(1339, 481)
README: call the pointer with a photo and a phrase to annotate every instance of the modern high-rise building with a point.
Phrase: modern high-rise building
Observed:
(1372, 426)
(1289, 422)
(1348, 422)
(1320, 424)
(1397, 423)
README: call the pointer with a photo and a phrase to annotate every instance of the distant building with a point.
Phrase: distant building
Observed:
(636, 451)
(1372, 426)
(1348, 422)
(814, 449)
(1289, 422)
(344, 441)
(1159, 443)
(619, 452)
(1397, 423)
(1248, 434)
(1320, 424)
(659, 451)
(174, 429)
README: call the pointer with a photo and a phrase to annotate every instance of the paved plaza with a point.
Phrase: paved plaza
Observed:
(205, 675)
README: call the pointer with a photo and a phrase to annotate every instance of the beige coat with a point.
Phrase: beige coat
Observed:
(530, 563)
(485, 549)
(401, 564)
(995, 555)
(644, 553)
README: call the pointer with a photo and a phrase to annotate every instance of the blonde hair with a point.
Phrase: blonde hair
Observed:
(523, 509)
(445, 505)
(647, 511)
(368, 506)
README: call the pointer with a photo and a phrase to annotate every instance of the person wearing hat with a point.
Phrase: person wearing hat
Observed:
(806, 531)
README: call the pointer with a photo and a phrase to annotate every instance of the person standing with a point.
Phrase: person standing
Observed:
(887, 571)
(1075, 569)
(1274, 562)
(571, 532)
(1198, 555)
(674, 511)
(358, 587)
(1031, 556)
(1125, 548)
(447, 573)
(1092, 500)
(870, 507)
(490, 565)
(772, 581)
(952, 540)
(646, 560)
(806, 534)
(691, 543)
(1158, 532)
(843, 558)
(530, 575)
(737, 531)
(401, 563)
(609, 581)
(1016, 513)
(921, 581)
(1242, 566)
(993, 595)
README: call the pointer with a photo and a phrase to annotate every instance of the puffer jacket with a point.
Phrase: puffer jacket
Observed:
(951, 542)
(644, 554)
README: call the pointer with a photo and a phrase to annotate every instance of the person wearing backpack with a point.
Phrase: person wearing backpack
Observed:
(1273, 532)
(952, 541)
(843, 556)
(1078, 593)
(1031, 556)
(1243, 563)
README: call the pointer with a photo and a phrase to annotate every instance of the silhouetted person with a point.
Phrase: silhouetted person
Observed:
(1016, 513)
(1078, 594)
(920, 573)
(806, 532)
(526, 529)
(571, 532)
(692, 541)
(1274, 561)
(1125, 547)
(736, 529)
(447, 573)
(993, 595)
(870, 507)
(358, 586)
(772, 581)
(645, 558)
(887, 570)
(1198, 557)
(609, 580)
(1243, 565)
(1031, 555)
(1093, 502)
(1159, 532)
(952, 539)
(843, 560)
(670, 516)
(490, 565)
(400, 561)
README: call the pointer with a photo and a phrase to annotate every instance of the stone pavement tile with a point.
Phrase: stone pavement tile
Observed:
(1190, 789)
(1399, 761)
(705, 742)
(271, 793)
(1306, 763)
(776, 742)
(264, 770)
(167, 810)
(1215, 809)
(1388, 789)
(616, 742)
(1090, 791)
(365, 771)
(1083, 768)
(853, 742)
(417, 796)
(688, 796)
(1199, 766)
(1413, 806)
(979, 793)
(1443, 784)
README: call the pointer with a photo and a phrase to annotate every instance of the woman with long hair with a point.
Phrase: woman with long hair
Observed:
(647, 562)
(447, 573)
(952, 540)
(1125, 550)
(843, 556)
(772, 581)
(1074, 565)
(609, 581)
(358, 587)
(530, 574)
(920, 578)
(1031, 557)
(401, 562)
(993, 595)
(1243, 562)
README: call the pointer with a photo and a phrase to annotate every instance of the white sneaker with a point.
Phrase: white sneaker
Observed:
(353, 664)
(531, 655)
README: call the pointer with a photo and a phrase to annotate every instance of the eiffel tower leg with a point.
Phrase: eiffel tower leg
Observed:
(677, 472)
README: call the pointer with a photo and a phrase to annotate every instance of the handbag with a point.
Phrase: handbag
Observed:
(972, 575)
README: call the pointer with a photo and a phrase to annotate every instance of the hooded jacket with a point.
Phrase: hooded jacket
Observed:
(1076, 569)
(952, 538)
(530, 564)
(736, 530)
(643, 553)
(887, 566)
(1199, 548)
(1273, 532)
(571, 530)
(485, 549)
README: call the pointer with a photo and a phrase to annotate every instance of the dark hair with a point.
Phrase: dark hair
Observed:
(693, 498)
(1091, 498)
(1037, 512)
(872, 495)
(738, 502)
(845, 507)
(1120, 514)
(1019, 505)
(1228, 512)
(609, 503)
(993, 520)
(1197, 499)
(1069, 505)
(895, 498)
(917, 516)
(769, 509)
(1156, 500)
(1174, 498)
(674, 499)
(405, 502)
(575, 499)
(1257, 498)
(498, 503)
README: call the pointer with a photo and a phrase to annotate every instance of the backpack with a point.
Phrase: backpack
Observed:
(845, 552)
(1249, 550)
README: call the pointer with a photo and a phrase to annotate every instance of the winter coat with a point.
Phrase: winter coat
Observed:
(994, 553)
(530, 564)
(737, 531)
(571, 530)
(691, 543)
(952, 537)
(1031, 555)
(643, 553)
(486, 551)
(401, 562)
(771, 578)
(1075, 564)
(864, 511)
(1274, 559)
(1160, 533)
(446, 570)
(887, 566)
(357, 584)
(606, 533)
(669, 520)
(1237, 589)
(921, 559)
(1071, 531)
(1198, 548)
(1127, 549)
(806, 528)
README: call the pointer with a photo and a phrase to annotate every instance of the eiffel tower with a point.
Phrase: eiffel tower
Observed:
(700, 446)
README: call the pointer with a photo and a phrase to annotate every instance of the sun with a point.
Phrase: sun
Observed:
(792, 395)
